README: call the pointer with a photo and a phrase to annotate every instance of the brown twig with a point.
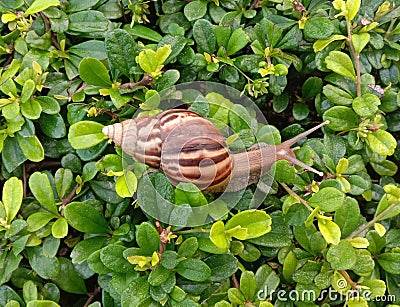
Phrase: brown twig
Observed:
(70, 196)
(356, 59)
(305, 203)
(97, 290)
(255, 5)
(48, 30)
(146, 80)
(11, 56)
(346, 276)
(235, 282)
(373, 221)
(121, 3)
(41, 165)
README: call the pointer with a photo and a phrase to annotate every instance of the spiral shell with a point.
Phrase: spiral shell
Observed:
(181, 143)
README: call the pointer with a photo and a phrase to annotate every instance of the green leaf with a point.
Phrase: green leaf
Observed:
(385, 168)
(348, 216)
(337, 95)
(63, 180)
(353, 7)
(91, 48)
(38, 220)
(31, 109)
(236, 296)
(382, 142)
(237, 41)
(188, 248)
(30, 291)
(40, 187)
(342, 256)
(195, 10)
(151, 61)
(284, 172)
(143, 32)
(85, 218)
(85, 134)
(217, 235)
(121, 50)
(88, 22)
(53, 125)
(60, 228)
(44, 266)
(390, 262)
(27, 90)
(41, 5)
(330, 231)
(257, 222)
(360, 41)
(341, 64)
(319, 28)
(69, 280)
(194, 269)
(113, 258)
(188, 193)
(222, 266)
(321, 44)
(366, 105)
(41, 303)
(239, 118)
(94, 72)
(328, 199)
(158, 276)
(203, 34)
(85, 248)
(12, 197)
(248, 285)
(341, 118)
(126, 185)
(147, 238)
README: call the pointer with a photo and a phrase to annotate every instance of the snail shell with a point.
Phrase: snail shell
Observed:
(189, 148)
(181, 143)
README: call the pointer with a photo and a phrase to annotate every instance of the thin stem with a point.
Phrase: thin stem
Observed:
(346, 276)
(146, 80)
(255, 5)
(97, 291)
(290, 191)
(70, 196)
(373, 221)
(356, 58)
(48, 30)
(235, 282)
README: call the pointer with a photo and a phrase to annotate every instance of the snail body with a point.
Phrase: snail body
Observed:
(189, 148)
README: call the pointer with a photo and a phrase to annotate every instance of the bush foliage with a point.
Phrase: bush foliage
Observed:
(71, 233)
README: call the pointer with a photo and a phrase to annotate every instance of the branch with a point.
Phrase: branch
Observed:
(373, 221)
(70, 196)
(291, 193)
(48, 30)
(146, 80)
(97, 290)
(346, 276)
(356, 58)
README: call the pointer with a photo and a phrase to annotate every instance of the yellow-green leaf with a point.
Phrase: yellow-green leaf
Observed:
(41, 5)
(12, 197)
(359, 242)
(329, 230)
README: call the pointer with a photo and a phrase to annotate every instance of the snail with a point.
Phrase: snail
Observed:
(189, 148)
